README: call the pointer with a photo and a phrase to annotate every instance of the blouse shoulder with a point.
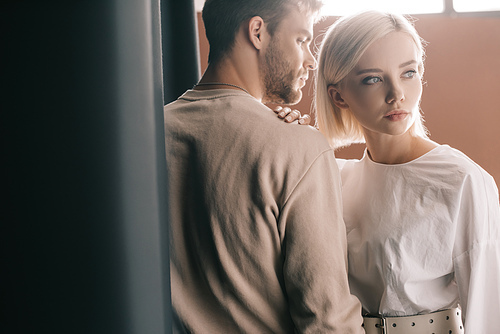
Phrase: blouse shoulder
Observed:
(460, 163)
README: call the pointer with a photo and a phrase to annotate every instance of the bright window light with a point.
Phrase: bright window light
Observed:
(476, 5)
(340, 8)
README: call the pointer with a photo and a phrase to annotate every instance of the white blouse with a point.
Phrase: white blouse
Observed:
(424, 236)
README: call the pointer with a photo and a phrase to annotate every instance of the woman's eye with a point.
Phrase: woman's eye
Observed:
(371, 80)
(410, 74)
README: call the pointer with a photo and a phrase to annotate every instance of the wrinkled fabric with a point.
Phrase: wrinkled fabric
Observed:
(257, 239)
(424, 236)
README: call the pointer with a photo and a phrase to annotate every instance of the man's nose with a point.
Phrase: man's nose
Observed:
(310, 61)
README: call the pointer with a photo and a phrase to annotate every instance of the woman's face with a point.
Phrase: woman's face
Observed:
(383, 90)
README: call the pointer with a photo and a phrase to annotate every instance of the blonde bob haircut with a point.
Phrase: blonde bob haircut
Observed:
(343, 45)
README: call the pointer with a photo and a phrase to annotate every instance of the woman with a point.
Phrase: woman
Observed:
(423, 220)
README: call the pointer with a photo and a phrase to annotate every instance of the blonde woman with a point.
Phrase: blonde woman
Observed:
(423, 220)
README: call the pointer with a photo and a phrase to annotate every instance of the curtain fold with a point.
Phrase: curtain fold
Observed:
(83, 168)
(181, 66)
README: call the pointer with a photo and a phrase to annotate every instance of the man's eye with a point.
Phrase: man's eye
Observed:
(371, 80)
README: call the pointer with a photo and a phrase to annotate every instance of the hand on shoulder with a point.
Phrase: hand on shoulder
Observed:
(290, 115)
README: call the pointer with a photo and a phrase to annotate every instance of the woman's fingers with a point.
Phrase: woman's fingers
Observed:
(282, 112)
(305, 120)
(291, 115)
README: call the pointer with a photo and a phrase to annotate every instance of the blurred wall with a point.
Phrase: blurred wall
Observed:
(461, 98)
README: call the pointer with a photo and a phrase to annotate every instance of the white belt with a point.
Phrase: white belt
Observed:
(441, 322)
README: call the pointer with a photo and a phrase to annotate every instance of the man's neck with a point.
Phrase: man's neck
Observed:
(232, 72)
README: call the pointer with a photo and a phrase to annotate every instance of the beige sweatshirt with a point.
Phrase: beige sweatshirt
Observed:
(257, 240)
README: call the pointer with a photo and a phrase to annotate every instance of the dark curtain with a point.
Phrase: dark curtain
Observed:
(83, 230)
(181, 67)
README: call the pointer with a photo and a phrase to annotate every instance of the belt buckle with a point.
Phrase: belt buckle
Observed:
(382, 325)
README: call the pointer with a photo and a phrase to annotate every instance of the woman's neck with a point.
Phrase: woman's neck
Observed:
(392, 150)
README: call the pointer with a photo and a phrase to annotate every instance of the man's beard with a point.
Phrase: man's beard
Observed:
(279, 78)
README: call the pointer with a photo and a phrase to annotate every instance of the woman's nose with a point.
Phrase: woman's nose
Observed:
(395, 93)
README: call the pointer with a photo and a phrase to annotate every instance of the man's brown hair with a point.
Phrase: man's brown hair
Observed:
(223, 18)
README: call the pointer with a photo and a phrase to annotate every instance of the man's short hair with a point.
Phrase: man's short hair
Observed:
(223, 18)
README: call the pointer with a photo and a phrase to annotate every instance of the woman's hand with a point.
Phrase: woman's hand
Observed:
(291, 115)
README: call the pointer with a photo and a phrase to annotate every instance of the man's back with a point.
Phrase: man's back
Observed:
(257, 238)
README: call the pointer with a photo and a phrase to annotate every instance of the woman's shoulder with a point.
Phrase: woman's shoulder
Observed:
(446, 154)
(452, 160)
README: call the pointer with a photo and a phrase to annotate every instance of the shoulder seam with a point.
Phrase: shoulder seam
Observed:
(305, 173)
(474, 246)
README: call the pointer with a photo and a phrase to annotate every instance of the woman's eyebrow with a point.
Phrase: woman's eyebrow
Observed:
(368, 70)
(409, 62)
(378, 70)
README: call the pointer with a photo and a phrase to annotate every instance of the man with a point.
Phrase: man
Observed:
(258, 242)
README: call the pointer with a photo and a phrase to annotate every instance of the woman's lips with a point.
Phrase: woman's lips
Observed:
(396, 115)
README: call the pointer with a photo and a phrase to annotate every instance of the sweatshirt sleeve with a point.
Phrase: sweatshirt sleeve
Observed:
(477, 269)
(315, 247)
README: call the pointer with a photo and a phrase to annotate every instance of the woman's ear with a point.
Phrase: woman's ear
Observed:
(256, 29)
(336, 97)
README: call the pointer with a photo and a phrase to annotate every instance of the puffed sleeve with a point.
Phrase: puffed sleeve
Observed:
(477, 264)
(315, 246)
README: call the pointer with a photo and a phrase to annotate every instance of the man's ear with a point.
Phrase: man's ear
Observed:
(336, 97)
(256, 29)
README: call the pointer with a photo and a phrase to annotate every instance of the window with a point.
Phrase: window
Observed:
(340, 8)
(461, 6)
